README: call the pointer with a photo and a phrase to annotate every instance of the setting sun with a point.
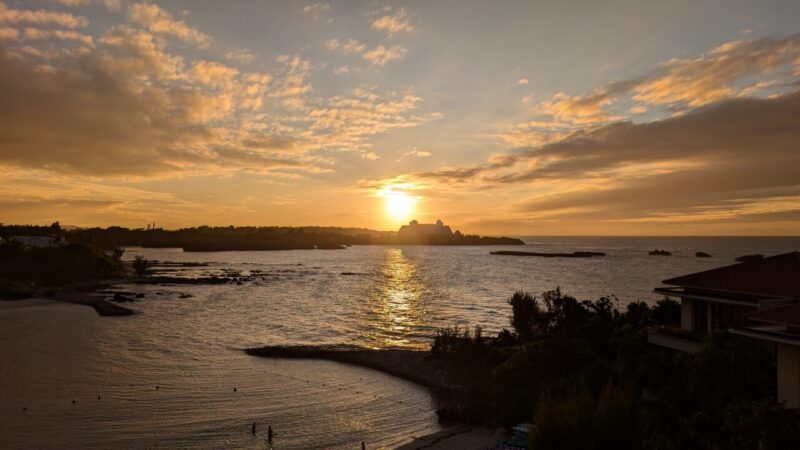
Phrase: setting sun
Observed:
(399, 206)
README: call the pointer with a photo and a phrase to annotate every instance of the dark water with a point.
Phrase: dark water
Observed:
(372, 296)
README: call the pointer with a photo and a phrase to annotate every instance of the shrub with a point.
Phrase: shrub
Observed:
(580, 421)
(10, 290)
(667, 312)
(140, 265)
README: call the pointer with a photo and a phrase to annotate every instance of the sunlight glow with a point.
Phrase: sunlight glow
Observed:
(399, 205)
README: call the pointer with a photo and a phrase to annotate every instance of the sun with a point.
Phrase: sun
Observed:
(399, 206)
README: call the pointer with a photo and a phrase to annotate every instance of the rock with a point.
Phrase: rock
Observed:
(549, 255)
(659, 252)
(750, 258)
(121, 298)
(702, 255)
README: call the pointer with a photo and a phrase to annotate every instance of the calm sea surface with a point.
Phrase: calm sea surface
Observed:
(190, 347)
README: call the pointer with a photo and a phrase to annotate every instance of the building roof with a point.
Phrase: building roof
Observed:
(784, 315)
(776, 276)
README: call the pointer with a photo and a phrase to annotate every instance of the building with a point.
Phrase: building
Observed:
(720, 298)
(758, 299)
(780, 326)
(39, 241)
(416, 229)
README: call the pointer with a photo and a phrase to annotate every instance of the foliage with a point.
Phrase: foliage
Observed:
(140, 265)
(666, 312)
(56, 265)
(564, 362)
(10, 290)
(582, 421)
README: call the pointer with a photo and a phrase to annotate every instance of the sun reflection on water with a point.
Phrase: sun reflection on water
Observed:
(395, 309)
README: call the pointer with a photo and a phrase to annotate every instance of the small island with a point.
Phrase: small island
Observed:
(549, 255)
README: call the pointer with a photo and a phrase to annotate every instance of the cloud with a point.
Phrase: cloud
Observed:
(718, 162)
(347, 47)
(40, 17)
(214, 74)
(122, 104)
(381, 55)
(719, 149)
(112, 5)
(680, 84)
(8, 34)
(317, 7)
(418, 153)
(393, 24)
(64, 35)
(318, 11)
(242, 56)
(159, 21)
(371, 156)
(294, 85)
(344, 123)
(129, 108)
(73, 3)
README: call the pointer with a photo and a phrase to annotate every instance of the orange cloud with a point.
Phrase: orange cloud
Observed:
(160, 21)
(394, 23)
(40, 17)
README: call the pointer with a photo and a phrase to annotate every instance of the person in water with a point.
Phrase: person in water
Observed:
(253, 429)
(269, 434)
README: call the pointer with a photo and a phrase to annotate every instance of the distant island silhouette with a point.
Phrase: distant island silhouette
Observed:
(208, 239)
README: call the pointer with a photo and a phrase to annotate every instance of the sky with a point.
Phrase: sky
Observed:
(515, 118)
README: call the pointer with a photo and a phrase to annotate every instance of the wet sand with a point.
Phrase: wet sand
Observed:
(461, 437)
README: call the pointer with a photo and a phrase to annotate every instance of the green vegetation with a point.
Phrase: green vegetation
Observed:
(25, 269)
(580, 370)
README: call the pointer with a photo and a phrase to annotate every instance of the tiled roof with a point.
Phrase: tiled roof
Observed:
(776, 276)
(785, 315)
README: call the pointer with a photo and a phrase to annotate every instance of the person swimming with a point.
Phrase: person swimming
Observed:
(253, 429)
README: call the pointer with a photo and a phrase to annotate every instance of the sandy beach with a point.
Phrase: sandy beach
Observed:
(457, 437)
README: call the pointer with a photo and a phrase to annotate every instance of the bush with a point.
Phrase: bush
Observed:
(57, 265)
(140, 266)
(10, 290)
(667, 312)
(581, 422)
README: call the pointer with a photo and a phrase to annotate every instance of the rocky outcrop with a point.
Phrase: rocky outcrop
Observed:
(549, 255)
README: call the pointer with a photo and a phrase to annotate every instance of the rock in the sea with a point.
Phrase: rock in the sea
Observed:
(702, 255)
(660, 252)
(549, 255)
(122, 298)
(750, 258)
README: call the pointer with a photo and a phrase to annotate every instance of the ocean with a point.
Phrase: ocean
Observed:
(165, 377)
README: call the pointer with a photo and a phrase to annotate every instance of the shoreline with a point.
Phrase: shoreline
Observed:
(416, 366)
(102, 306)
(462, 437)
